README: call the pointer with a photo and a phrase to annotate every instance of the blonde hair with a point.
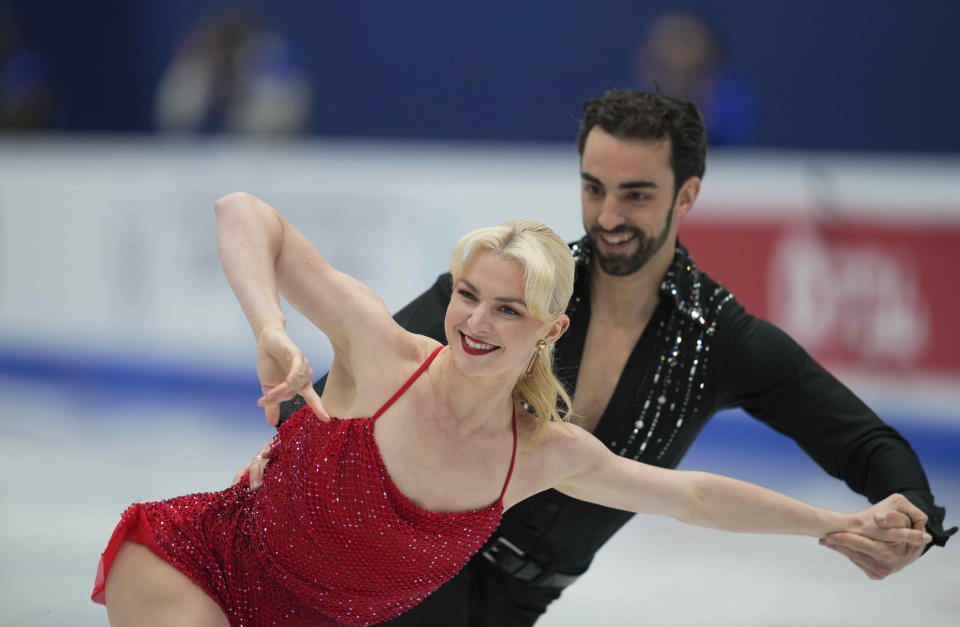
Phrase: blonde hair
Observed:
(548, 270)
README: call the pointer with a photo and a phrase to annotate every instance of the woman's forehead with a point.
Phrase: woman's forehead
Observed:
(486, 268)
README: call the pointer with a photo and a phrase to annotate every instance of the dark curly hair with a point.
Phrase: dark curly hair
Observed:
(646, 115)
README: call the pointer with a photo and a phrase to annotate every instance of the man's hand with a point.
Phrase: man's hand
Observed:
(255, 467)
(284, 372)
(877, 558)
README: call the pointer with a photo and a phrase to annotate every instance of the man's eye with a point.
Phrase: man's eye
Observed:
(638, 196)
(593, 190)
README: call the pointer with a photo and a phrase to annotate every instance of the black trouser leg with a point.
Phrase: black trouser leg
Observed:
(499, 600)
(480, 596)
(447, 607)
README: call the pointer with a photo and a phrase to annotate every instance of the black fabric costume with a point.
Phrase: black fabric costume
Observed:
(700, 353)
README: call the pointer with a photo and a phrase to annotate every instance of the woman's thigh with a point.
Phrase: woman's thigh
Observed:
(146, 591)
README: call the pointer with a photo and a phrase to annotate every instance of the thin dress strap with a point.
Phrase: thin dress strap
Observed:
(409, 382)
(512, 459)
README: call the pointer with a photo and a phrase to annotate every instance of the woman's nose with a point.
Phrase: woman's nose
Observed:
(478, 320)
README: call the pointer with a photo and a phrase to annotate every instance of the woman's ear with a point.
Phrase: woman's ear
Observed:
(557, 328)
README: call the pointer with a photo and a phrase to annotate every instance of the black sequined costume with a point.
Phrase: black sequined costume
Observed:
(700, 353)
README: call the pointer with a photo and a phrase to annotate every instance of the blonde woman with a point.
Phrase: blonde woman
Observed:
(361, 517)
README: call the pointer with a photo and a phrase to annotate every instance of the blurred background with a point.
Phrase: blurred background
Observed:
(384, 130)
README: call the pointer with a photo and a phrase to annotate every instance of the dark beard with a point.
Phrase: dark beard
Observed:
(647, 247)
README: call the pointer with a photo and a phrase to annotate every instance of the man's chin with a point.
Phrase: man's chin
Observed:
(619, 265)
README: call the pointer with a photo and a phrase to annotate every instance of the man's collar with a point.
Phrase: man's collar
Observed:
(680, 286)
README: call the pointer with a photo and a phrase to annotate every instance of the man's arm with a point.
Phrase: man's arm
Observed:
(775, 380)
(424, 315)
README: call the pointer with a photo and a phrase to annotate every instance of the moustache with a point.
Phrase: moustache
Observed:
(623, 228)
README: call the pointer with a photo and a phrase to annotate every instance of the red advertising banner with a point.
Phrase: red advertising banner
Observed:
(881, 299)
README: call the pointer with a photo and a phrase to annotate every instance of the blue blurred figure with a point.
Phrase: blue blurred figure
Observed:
(234, 74)
(26, 93)
(682, 55)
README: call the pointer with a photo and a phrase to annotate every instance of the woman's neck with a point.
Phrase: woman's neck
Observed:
(473, 403)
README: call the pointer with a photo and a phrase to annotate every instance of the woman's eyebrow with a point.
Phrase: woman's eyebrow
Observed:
(473, 288)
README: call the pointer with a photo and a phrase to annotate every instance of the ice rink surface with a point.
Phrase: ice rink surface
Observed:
(76, 456)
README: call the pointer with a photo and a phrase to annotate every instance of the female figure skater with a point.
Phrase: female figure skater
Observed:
(361, 517)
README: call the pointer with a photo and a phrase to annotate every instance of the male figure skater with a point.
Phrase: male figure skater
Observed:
(655, 348)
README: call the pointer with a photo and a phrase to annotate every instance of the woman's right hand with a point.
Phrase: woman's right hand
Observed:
(284, 372)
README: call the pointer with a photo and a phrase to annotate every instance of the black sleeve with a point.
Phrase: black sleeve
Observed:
(423, 316)
(772, 378)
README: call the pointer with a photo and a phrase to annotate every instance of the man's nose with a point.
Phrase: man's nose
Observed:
(610, 216)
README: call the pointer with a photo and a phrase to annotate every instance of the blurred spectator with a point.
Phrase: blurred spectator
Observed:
(26, 94)
(233, 73)
(682, 55)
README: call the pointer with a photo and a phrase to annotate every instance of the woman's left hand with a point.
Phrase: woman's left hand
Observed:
(888, 537)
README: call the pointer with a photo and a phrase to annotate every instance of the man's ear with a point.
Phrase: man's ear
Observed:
(687, 196)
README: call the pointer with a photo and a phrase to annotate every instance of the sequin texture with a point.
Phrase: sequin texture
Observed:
(327, 540)
(682, 341)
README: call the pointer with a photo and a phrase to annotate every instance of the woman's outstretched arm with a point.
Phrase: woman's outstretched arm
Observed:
(709, 500)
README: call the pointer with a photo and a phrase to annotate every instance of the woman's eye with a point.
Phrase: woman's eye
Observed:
(465, 294)
(510, 311)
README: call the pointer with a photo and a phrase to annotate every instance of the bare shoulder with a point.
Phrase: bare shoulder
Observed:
(561, 450)
(359, 381)
(562, 438)
(394, 347)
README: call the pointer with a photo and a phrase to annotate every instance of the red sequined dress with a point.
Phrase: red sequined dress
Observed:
(327, 540)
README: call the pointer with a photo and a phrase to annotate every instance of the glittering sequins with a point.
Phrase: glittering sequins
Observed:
(327, 540)
(680, 356)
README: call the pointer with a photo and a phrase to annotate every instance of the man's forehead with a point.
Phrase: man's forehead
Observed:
(600, 140)
(616, 161)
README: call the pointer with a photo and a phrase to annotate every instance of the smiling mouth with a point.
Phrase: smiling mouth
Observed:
(616, 240)
(472, 346)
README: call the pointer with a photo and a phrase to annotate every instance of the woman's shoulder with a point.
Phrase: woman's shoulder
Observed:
(554, 444)
(391, 344)
(360, 379)
(546, 460)
(406, 347)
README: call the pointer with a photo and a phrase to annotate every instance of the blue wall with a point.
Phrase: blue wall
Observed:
(859, 74)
